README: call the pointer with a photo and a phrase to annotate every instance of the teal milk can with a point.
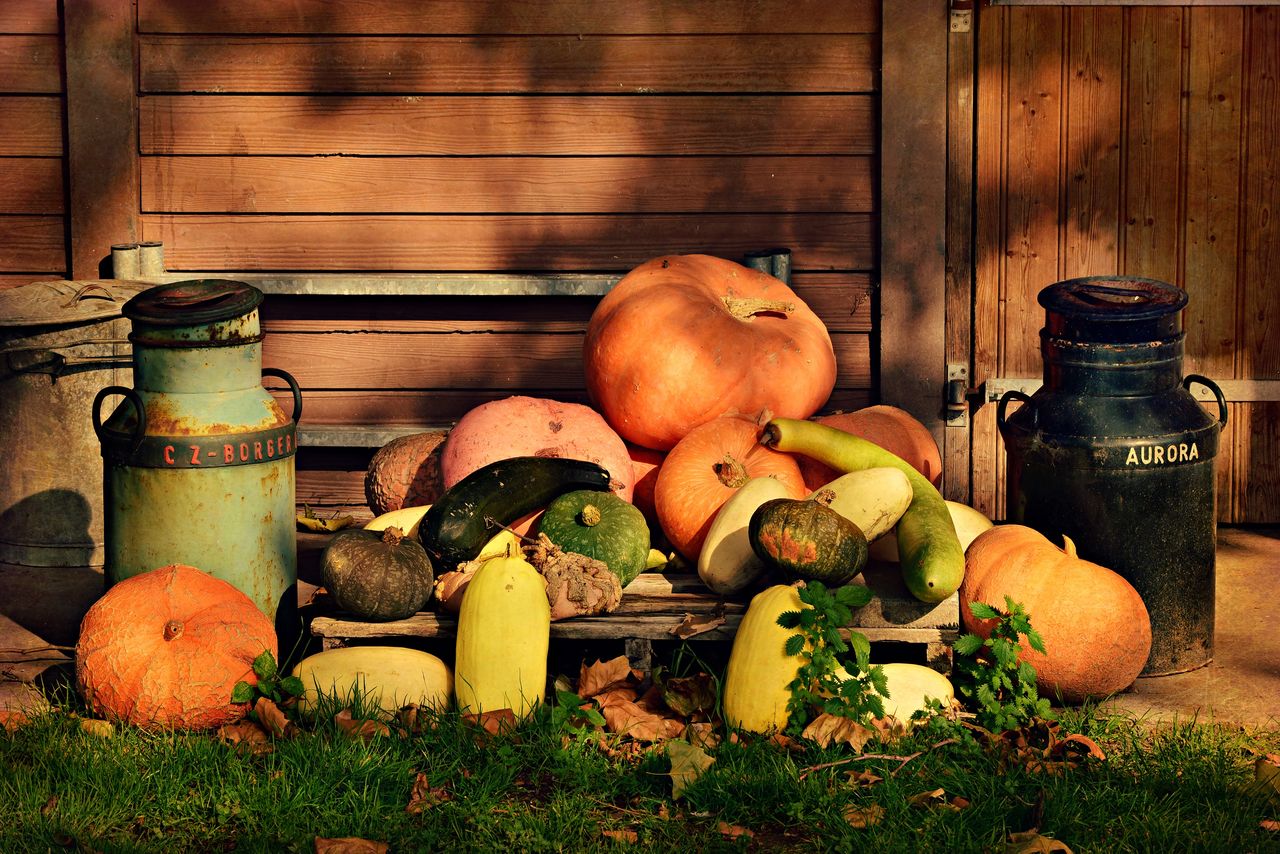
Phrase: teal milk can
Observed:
(198, 458)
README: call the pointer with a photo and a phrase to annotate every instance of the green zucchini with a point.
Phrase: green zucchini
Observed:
(471, 511)
(932, 560)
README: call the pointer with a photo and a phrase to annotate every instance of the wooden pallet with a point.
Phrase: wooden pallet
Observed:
(655, 605)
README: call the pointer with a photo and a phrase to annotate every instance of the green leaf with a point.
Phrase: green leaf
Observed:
(854, 595)
(861, 648)
(967, 644)
(242, 693)
(293, 686)
(983, 611)
(265, 665)
(789, 619)
(795, 643)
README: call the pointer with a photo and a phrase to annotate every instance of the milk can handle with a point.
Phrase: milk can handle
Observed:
(293, 387)
(1014, 394)
(139, 409)
(1190, 379)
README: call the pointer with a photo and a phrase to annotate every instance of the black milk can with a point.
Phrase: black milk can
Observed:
(1115, 452)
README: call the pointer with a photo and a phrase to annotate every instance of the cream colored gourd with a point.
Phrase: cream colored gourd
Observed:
(873, 499)
(727, 563)
(756, 682)
(968, 521)
(504, 632)
(911, 686)
(406, 519)
(389, 676)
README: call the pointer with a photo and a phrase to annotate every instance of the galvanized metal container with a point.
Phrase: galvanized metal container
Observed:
(60, 342)
(1114, 452)
(198, 458)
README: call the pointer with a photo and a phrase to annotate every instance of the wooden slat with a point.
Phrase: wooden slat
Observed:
(17, 280)
(506, 64)
(1093, 142)
(31, 244)
(30, 126)
(29, 16)
(395, 360)
(31, 185)
(763, 17)
(506, 184)
(441, 407)
(959, 251)
(506, 125)
(1258, 474)
(1153, 155)
(1260, 342)
(29, 63)
(838, 241)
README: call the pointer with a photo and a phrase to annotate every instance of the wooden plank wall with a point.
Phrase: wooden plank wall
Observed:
(568, 136)
(1135, 141)
(32, 152)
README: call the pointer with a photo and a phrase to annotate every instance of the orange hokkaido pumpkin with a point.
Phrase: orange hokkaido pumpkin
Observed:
(707, 467)
(1096, 631)
(645, 463)
(893, 429)
(166, 648)
(684, 339)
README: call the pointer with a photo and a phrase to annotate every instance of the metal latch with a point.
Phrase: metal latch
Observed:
(961, 16)
(956, 394)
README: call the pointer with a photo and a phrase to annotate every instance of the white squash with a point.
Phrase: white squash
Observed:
(389, 676)
(406, 519)
(911, 686)
(874, 499)
(727, 563)
(969, 524)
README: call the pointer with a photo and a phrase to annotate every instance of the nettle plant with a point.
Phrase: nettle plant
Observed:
(989, 674)
(829, 680)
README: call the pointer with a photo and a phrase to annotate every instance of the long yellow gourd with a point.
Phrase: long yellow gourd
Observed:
(504, 632)
(756, 684)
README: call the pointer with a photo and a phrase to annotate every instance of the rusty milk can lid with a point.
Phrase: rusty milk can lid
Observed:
(193, 303)
(1113, 309)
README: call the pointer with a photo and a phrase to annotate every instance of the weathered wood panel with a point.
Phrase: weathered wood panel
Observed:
(30, 244)
(541, 17)
(508, 125)
(1260, 344)
(30, 126)
(835, 242)
(507, 64)
(506, 184)
(17, 280)
(29, 63)
(29, 16)
(31, 185)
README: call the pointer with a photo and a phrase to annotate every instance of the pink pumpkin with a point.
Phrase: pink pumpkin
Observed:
(535, 427)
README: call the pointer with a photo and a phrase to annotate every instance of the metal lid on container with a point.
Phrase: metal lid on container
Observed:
(1113, 309)
(193, 303)
(60, 302)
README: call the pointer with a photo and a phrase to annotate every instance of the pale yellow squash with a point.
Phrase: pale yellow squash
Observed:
(874, 499)
(911, 686)
(756, 683)
(389, 677)
(727, 563)
(406, 519)
(504, 633)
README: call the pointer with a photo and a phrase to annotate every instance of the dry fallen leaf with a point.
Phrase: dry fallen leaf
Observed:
(827, 729)
(308, 521)
(49, 805)
(687, 695)
(493, 723)
(687, 764)
(863, 816)
(1031, 842)
(271, 718)
(1269, 824)
(863, 779)
(424, 795)
(246, 737)
(350, 845)
(626, 718)
(733, 831)
(1266, 770)
(360, 727)
(11, 720)
(693, 624)
(604, 675)
(703, 735)
(101, 729)
(630, 837)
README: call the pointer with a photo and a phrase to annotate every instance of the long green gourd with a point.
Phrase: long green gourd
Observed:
(931, 557)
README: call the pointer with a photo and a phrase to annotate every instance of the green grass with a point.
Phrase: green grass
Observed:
(1180, 787)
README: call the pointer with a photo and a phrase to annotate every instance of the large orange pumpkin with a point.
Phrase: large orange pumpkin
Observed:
(166, 648)
(684, 339)
(705, 469)
(894, 429)
(1096, 631)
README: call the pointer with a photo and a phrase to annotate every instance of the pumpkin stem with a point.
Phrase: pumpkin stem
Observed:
(744, 307)
(824, 496)
(392, 536)
(172, 629)
(590, 515)
(732, 473)
(1069, 547)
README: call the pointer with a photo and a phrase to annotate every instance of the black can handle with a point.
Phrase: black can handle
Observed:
(1014, 394)
(293, 387)
(1191, 379)
(106, 436)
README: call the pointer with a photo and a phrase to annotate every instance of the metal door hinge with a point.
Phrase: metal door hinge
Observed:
(957, 393)
(961, 16)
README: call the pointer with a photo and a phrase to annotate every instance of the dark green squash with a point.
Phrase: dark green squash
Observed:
(805, 540)
(377, 575)
(599, 525)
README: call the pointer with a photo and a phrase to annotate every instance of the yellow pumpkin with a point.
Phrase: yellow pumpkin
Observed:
(756, 683)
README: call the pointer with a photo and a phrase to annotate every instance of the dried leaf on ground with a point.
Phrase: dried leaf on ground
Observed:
(1076, 744)
(934, 799)
(424, 795)
(605, 675)
(626, 718)
(413, 720)
(733, 831)
(49, 805)
(687, 695)
(309, 521)
(827, 729)
(785, 742)
(12, 720)
(246, 737)
(1269, 824)
(272, 719)
(95, 727)
(696, 624)
(360, 727)
(863, 779)
(1266, 770)
(493, 723)
(863, 816)
(688, 763)
(629, 837)
(350, 845)
(1031, 842)
(703, 735)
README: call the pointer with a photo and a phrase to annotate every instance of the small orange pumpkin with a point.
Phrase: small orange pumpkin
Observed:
(894, 429)
(645, 463)
(683, 339)
(405, 472)
(705, 469)
(1096, 631)
(165, 649)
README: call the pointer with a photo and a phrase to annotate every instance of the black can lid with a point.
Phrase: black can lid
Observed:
(1113, 309)
(193, 303)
